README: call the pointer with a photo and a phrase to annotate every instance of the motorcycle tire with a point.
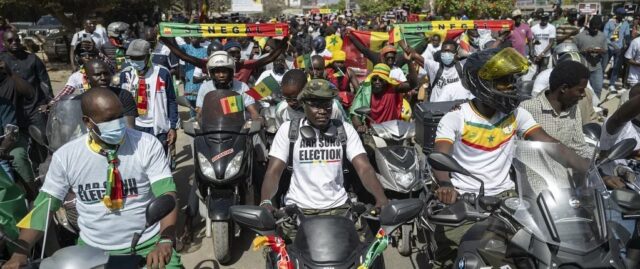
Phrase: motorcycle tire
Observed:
(404, 242)
(222, 241)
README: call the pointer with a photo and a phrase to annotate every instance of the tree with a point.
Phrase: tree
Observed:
(475, 8)
(378, 7)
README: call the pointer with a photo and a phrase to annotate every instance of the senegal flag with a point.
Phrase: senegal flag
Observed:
(232, 104)
(38, 217)
(303, 61)
(375, 41)
(265, 88)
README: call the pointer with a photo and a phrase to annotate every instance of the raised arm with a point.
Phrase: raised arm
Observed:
(371, 55)
(281, 47)
(170, 43)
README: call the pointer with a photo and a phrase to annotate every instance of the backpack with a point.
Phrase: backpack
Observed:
(294, 132)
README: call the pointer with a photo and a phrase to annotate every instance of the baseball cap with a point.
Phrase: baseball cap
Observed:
(318, 89)
(138, 47)
(516, 13)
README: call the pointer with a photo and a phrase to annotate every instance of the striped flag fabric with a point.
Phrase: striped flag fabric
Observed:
(375, 41)
(265, 88)
(303, 61)
(13, 205)
(38, 216)
(232, 104)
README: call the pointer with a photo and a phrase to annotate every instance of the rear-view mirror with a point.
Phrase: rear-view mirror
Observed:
(38, 135)
(592, 131)
(398, 212)
(620, 150)
(254, 217)
(627, 199)
(159, 208)
(444, 162)
(188, 128)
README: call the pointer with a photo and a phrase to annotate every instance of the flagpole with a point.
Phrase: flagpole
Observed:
(46, 229)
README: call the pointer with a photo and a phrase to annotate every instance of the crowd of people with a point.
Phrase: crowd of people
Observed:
(540, 80)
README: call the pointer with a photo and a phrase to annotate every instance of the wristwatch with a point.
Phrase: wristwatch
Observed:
(167, 239)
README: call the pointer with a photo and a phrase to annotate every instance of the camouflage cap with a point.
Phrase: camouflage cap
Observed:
(318, 89)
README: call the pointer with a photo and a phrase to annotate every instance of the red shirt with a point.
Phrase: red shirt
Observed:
(245, 69)
(386, 106)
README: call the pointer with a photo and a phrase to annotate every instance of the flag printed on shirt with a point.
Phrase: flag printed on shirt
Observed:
(265, 88)
(37, 218)
(232, 104)
(489, 137)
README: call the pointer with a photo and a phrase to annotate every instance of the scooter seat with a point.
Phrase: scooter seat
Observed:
(326, 239)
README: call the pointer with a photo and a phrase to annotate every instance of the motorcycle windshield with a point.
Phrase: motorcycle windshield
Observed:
(222, 111)
(65, 122)
(560, 205)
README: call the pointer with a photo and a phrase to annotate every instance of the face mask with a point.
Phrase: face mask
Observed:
(137, 65)
(446, 58)
(111, 132)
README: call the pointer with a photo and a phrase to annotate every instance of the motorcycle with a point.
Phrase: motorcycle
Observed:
(326, 241)
(90, 257)
(398, 167)
(563, 225)
(223, 160)
(63, 125)
(268, 112)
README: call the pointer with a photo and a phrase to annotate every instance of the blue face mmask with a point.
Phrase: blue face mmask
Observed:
(138, 65)
(111, 132)
(446, 58)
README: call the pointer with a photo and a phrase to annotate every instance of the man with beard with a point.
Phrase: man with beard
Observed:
(290, 108)
(592, 44)
(521, 35)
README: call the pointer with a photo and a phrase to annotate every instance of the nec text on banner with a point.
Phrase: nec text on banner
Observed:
(224, 30)
(425, 27)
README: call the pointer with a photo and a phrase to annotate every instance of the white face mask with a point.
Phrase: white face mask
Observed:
(138, 65)
(111, 132)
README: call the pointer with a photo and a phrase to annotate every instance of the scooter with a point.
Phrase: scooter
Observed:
(326, 241)
(223, 159)
(76, 257)
(398, 167)
(565, 225)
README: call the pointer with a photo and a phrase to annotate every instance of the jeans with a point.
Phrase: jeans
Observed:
(597, 79)
(617, 64)
(162, 136)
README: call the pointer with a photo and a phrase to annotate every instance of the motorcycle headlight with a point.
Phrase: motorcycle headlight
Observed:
(234, 165)
(404, 178)
(205, 166)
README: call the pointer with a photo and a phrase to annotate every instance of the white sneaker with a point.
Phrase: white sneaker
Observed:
(612, 89)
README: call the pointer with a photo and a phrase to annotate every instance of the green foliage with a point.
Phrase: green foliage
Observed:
(377, 7)
(475, 8)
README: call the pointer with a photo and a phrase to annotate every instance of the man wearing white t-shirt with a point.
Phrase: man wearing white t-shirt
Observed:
(545, 37)
(452, 92)
(221, 69)
(432, 48)
(480, 136)
(633, 58)
(317, 181)
(623, 124)
(115, 173)
(442, 72)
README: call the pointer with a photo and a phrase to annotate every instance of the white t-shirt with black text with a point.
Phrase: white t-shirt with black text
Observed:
(544, 35)
(317, 181)
(452, 92)
(76, 166)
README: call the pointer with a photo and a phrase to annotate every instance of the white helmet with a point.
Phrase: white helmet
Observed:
(221, 59)
(563, 48)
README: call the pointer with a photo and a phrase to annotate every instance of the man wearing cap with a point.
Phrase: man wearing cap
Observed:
(319, 150)
(544, 35)
(521, 34)
(152, 88)
(617, 32)
(382, 94)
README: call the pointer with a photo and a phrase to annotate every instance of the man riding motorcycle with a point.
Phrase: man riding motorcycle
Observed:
(110, 209)
(316, 159)
(480, 136)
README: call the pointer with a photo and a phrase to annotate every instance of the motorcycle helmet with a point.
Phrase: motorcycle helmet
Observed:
(563, 48)
(319, 44)
(221, 59)
(119, 30)
(488, 70)
(573, 56)
(214, 46)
